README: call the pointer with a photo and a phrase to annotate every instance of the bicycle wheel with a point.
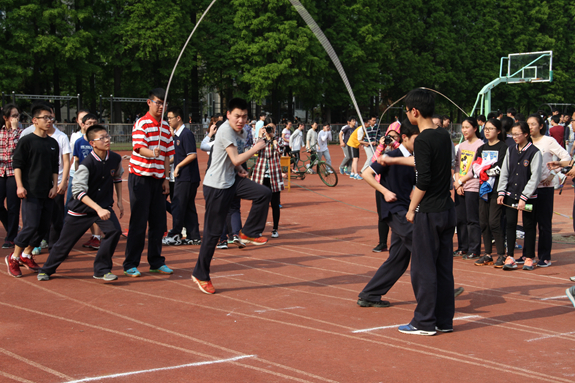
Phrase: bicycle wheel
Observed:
(327, 174)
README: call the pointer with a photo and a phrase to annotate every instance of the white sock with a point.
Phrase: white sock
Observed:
(26, 255)
(97, 237)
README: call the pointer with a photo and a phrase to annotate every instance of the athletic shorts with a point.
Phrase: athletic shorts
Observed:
(355, 152)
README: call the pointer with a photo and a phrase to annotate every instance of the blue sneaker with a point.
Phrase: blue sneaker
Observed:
(358, 177)
(133, 272)
(409, 329)
(162, 270)
(37, 250)
(571, 294)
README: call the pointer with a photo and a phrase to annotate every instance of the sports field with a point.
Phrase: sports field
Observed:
(287, 311)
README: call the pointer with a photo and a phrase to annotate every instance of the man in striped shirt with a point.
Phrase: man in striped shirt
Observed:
(148, 182)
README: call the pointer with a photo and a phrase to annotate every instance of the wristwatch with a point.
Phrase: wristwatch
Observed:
(459, 182)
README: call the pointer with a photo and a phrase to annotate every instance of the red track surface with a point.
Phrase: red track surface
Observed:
(288, 308)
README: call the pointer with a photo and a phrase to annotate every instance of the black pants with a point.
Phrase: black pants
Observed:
(57, 222)
(147, 208)
(396, 264)
(233, 220)
(432, 270)
(217, 207)
(543, 212)
(382, 225)
(275, 202)
(529, 225)
(74, 228)
(36, 216)
(184, 211)
(490, 219)
(9, 215)
(462, 235)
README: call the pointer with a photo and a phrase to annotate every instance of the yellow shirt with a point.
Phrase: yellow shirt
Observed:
(353, 141)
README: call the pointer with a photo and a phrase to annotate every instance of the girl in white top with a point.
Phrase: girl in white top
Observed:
(548, 147)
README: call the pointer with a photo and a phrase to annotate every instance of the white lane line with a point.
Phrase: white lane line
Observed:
(557, 297)
(225, 276)
(550, 336)
(162, 369)
(287, 308)
(397, 325)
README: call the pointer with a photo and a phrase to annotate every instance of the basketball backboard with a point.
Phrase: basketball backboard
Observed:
(525, 67)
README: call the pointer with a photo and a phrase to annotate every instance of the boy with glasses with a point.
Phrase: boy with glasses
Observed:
(35, 164)
(93, 190)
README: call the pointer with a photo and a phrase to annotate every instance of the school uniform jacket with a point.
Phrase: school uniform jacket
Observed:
(95, 178)
(520, 173)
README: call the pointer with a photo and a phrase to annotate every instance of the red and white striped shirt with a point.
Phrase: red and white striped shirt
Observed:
(148, 134)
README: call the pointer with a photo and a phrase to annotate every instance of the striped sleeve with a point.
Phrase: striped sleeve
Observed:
(140, 135)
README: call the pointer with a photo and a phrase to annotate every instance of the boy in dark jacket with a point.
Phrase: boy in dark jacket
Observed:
(93, 191)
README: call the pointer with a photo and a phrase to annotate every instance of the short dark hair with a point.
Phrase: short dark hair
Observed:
(89, 116)
(176, 111)
(38, 108)
(512, 111)
(408, 129)
(160, 93)
(556, 118)
(422, 100)
(481, 118)
(373, 116)
(263, 114)
(352, 118)
(555, 110)
(519, 117)
(237, 103)
(92, 130)
(491, 115)
(82, 111)
(499, 112)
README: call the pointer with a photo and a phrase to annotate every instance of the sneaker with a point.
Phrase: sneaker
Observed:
(205, 286)
(571, 294)
(572, 279)
(443, 329)
(380, 303)
(518, 246)
(459, 253)
(342, 171)
(8, 245)
(13, 267)
(275, 234)
(106, 277)
(184, 241)
(471, 256)
(543, 263)
(172, 241)
(528, 265)
(37, 250)
(133, 272)
(352, 176)
(500, 262)
(379, 248)
(196, 242)
(43, 277)
(458, 291)
(358, 177)
(44, 244)
(222, 245)
(162, 270)
(486, 260)
(509, 264)
(238, 241)
(409, 329)
(29, 263)
(256, 241)
(520, 260)
(95, 243)
(87, 244)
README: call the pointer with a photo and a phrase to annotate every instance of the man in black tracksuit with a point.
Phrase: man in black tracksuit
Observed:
(93, 191)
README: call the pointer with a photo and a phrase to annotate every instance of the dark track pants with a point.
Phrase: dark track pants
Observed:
(396, 264)
(432, 270)
(36, 216)
(543, 212)
(184, 211)
(462, 235)
(147, 207)
(529, 225)
(218, 203)
(490, 219)
(9, 215)
(74, 228)
(57, 221)
(382, 225)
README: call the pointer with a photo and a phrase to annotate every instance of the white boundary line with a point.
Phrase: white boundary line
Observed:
(557, 297)
(397, 325)
(550, 336)
(162, 369)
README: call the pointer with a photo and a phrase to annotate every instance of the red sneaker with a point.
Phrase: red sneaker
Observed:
(256, 241)
(29, 264)
(205, 286)
(13, 268)
(89, 243)
(95, 243)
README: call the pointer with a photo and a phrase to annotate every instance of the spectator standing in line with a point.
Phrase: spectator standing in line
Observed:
(557, 131)
(35, 163)
(295, 143)
(260, 125)
(369, 140)
(323, 139)
(9, 136)
(148, 182)
(286, 133)
(344, 133)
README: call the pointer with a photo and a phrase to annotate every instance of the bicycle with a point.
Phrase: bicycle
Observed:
(305, 166)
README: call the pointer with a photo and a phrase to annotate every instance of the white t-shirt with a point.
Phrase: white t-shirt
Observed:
(296, 140)
(323, 138)
(287, 133)
(63, 144)
(73, 139)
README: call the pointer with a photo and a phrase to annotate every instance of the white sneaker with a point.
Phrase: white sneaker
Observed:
(275, 234)
(172, 241)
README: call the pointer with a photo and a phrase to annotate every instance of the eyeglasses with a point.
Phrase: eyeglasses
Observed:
(160, 103)
(489, 129)
(407, 110)
(15, 115)
(169, 118)
(517, 135)
(46, 118)
(104, 138)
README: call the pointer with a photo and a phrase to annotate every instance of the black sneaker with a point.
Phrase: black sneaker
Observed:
(459, 253)
(380, 247)
(196, 242)
(500, 262)
(443, 329)
(471, 256)
(222, 245)
(486, 260)
(520, 260)
(8, 245)
(238, 242)
(364, 303)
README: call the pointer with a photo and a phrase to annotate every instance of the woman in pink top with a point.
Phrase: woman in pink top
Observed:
(467, 188)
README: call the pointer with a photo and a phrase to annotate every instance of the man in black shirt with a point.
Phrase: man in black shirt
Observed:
(36, 172)
(433, 214)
